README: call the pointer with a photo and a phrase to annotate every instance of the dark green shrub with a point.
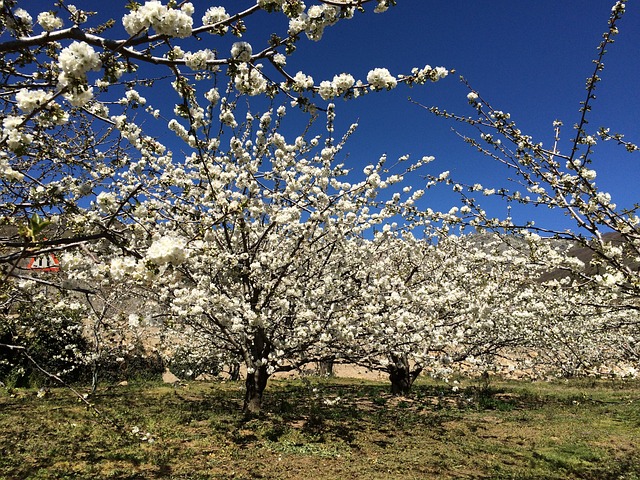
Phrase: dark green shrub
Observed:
(53, 340)
(136, 363)
(188, 364)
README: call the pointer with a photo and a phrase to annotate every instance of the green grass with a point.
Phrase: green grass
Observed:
(328, 429)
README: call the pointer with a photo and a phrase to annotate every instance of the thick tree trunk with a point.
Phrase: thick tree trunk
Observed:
(257, 377)
(401, 374)
(325, 368)
(400, 381)
(255, 385)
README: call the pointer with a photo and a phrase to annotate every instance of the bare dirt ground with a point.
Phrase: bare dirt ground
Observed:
(343, 371)
(340, 371)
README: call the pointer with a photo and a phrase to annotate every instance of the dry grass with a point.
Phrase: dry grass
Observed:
(329, 429)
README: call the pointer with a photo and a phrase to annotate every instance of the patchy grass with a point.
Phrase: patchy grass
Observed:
(328, 429)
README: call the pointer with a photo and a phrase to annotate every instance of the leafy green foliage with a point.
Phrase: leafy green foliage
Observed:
(54, 342)
(135, 364)
(187, 363)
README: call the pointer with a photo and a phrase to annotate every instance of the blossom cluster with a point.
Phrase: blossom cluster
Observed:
(316, 19)
(249, 79)
(378, 79)
(165, 20)
(14, 137)
(381, 79)
(6, 171)
(214, 16)
(198, 60)
(20, 21)
(49, 21)
(241, 51)
(167, 250)
(77, 59)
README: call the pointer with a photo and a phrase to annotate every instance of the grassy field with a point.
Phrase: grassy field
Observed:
(328, 429)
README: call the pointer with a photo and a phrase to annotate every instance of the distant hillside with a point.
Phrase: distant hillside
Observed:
(491, 242)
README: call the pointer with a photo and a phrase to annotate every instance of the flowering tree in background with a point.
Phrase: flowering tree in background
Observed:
(433, 304)
(580, 332)
(383, 328)
(537, 323)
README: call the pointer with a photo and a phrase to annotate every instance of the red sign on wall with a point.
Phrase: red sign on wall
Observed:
(44, 263)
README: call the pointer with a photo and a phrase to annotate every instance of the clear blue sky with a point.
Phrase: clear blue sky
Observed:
(530, 58)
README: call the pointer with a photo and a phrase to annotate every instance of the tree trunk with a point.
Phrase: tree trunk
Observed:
(401, 375)
(234, 371)
(400, 381)
(325, 368)
(255, 385)
(94, 379)
(256, 376)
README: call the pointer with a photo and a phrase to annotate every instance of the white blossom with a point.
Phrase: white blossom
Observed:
(280, 59)
(248, 79)
(20, 20)
(302, 82)
(77, 59)
(215, 15)
(49, 21)
(198, 60)
(15, 138)
(382, 6)
(380, 78)
(213, 96)
(167, 250)
(241, 51)
(165, 21)
(326, 90)
(29, 100)
(298, 24)
(79, 96)
(7, 172)
(343, 82)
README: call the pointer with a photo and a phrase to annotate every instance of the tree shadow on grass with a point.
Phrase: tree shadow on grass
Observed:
(339, 412)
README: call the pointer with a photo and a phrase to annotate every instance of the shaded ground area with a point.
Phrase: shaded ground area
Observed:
(328, 429)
